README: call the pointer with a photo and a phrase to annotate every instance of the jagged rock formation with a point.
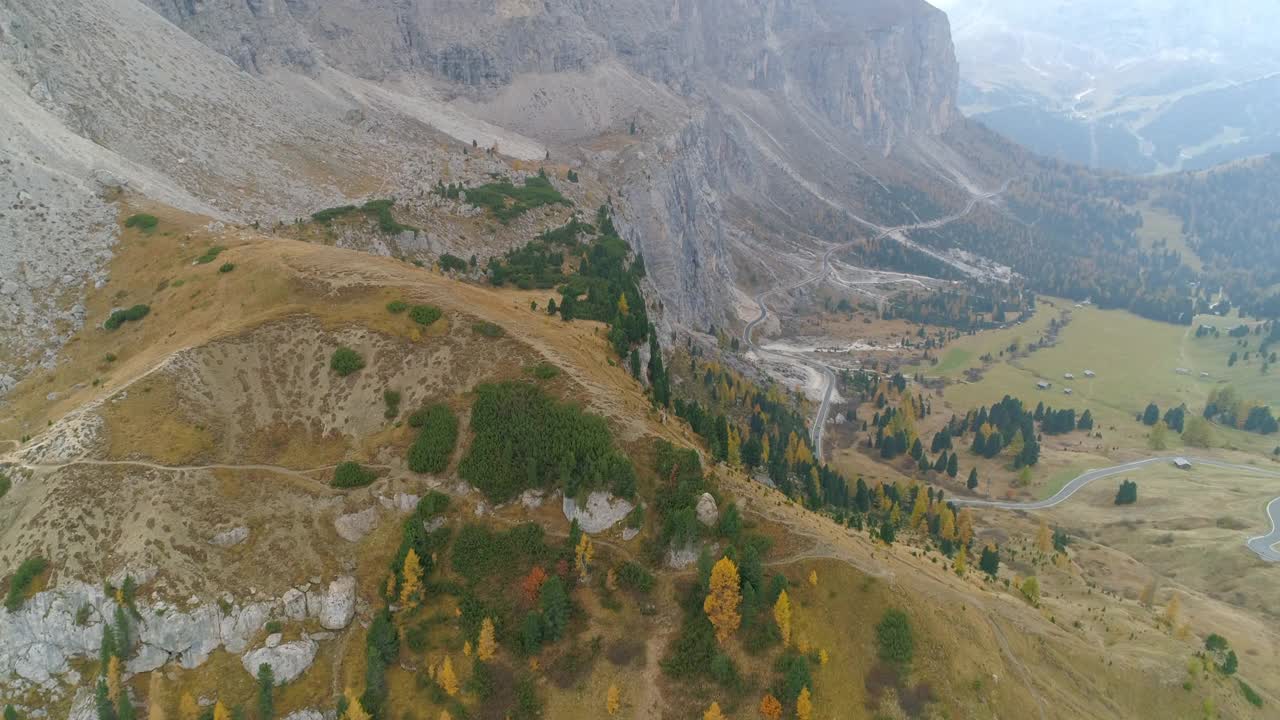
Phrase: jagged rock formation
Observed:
(737, 133)
(55, 626)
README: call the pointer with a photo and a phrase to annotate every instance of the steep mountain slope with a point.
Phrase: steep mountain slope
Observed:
(731, 139)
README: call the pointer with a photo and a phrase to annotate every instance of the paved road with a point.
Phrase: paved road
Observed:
(1262, 544)
(748, 332)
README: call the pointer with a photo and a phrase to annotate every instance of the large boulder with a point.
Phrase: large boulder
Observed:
(335, 607)
(287, 660)
(294, 604)
(708, 513)
(228, 538)
(353, 526)
(601, 512)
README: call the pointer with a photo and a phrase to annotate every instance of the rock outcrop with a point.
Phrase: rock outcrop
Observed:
(287, 660)
(601, 512)
(58, 625)
(708, 514)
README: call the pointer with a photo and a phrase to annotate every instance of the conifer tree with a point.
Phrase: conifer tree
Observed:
(583, 555)
(113, 678)
(962, 563)
(487, 645)
(447, 678)
(804, 705)
(813, 578)
(713, 712)
(612, 701)
(412, 580)
(220, 711)
(723, 599)
(972, 482)
(355, 711)
(770, 708)
(1044, 539)
(782, 616)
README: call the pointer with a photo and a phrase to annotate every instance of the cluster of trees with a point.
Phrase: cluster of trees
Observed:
(523, 439)
(1228, 216)
(120, 317)
(506, 200)
(1227, 407)
(111, 697)
(437, 436)
(380, 209)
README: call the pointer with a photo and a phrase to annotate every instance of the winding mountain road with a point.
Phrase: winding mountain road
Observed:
(748, 332)
(1263, 545)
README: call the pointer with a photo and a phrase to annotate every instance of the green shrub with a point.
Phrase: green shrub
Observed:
(345, 361)
(352, 475)
(452, 263)
(395, 307)
(27, 572)
(210, 255)
(120, 317)
(488, 329)
(274, 626)
(142, 221)
(392, 400)
(893, 636)
(109, 357)
(434, 445)
(227, 267)
(631, 575)
(1250, 694)
(424, 314)
(545, 371)
(432, 504)
(508, 201)
(5, 484)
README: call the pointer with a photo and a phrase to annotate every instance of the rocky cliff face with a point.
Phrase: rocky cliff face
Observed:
(760, 124)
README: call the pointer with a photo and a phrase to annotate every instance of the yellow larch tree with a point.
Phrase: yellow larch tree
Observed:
(917, 511)
(447, 678)
(782, 616)
(1171, 610)
(962, 562)
(612, 700)
(220, 711)
(412, 580)
(1044, 538)
(713, 712)
(734, 450)
(444, 715)
(964, 525)
(187, 707)
(113, 678)
(764, 451)
(947, 523)
(823, 657)
(721, 604)
(355, 711)
(583, 554)
(813, 578)
(487, 645)
(770, 708)
(804, 705)
(466, 649)
(895, 515)
(623, 308)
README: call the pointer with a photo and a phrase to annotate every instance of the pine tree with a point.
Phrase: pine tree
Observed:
(947, 523)
(804, 705)
(723, 599)
(412, 580)
(964, 526)
(355, 711)
(447, 678)
(125, 709)
(953, 466)
(918, 511)
(113, 678)
(266, 685)
(713, 712)
(972, 483)
(1044, 539)
(782, 616)
(486, 646)
(612, 701)
(770, 708)
(583, 554)
(962, 563)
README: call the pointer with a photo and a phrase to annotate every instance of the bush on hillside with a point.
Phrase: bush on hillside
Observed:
(120, 317)
(395, 307)
(488, 329)
(424, 314)
(893, 636)
(210, 255)
(27, 572)
(352, 475)
(452, 263)
(227, 267)
(345, 361)
(142, 221)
